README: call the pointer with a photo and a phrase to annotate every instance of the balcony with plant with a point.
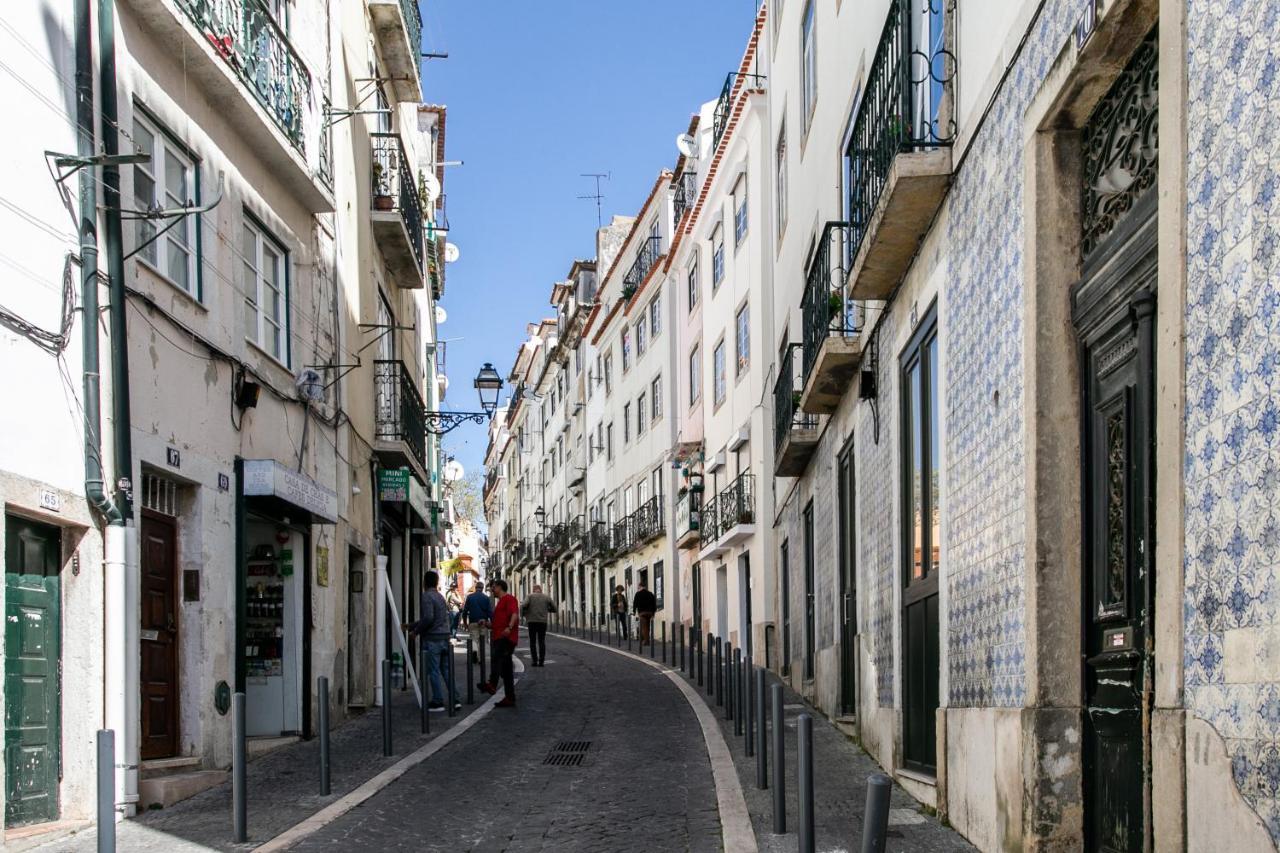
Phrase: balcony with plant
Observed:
(396, 210)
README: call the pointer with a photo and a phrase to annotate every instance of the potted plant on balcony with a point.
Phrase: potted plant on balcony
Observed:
(382, 199)
(835, 304)
(628, 291)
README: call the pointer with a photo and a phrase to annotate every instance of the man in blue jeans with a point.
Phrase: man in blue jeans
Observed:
(433, 628)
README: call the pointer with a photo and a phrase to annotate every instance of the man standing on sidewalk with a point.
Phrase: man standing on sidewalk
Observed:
(433, 628)
(479, 611)
(619, 608)
(537, 609)
(506, 633)
(645, 605)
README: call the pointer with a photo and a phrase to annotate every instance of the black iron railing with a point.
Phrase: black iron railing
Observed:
(622, 536)
(684, 192)
(395, 189)
(648, 255)
(646, 521)
(599, 540)
(824, 309)
(724, 107)
(399, 413)
(787, 414)
(904, 106)
(688, 513)
(413, 23)
(246, 35)
(710, 519)
(736, 504)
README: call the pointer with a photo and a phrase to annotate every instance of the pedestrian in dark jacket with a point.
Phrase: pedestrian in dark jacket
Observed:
(537, 609)
(645, 605)
(619, 609)
(433, 627)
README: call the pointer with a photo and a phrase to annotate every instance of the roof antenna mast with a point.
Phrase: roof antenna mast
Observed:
(597, 195)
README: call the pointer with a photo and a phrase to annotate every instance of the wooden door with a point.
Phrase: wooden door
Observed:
(158, 639)
(32, 671)
(848, 588)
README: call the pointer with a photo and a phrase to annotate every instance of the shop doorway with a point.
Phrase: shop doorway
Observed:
(158, 638)
(276, 642)
(359, 645)
(33, 656)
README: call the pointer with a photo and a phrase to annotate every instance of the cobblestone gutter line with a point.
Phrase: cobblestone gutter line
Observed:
(735, 820)
(335, 810)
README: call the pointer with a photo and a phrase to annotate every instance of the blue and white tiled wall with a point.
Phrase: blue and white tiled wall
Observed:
(1231, 464)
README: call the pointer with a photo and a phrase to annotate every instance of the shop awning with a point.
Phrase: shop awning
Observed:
(268, 478)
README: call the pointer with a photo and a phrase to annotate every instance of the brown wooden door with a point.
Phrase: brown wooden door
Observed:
(159, 638)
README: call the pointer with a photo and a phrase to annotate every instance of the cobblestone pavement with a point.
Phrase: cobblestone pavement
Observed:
(283, 785)
(644, 784)
(840, 770)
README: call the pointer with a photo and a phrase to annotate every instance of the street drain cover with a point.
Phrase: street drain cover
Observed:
(568, 753)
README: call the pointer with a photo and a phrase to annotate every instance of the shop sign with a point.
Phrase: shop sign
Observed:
(393, 484)
(269, 477)
(322, 565)
(418, 499)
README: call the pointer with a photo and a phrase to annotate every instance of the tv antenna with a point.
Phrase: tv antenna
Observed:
(597, 195)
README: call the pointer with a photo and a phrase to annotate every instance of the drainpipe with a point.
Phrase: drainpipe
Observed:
(120, 580)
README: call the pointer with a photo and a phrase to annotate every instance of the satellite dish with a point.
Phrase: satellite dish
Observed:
(443, 382)
(453, 471)
(431, 184)
(451, 253)
(687, 145)
(310, 385)
(441, 316)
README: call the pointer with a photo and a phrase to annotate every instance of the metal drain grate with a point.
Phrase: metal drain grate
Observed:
(568, 753)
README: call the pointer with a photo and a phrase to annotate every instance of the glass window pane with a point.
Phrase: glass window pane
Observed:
(179, 263)
(935, 456)
(175, 178)
(914, 480)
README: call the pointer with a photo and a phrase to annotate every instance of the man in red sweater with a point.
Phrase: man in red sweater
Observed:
(506, 636)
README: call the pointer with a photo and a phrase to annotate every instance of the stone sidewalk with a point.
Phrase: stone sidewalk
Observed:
(840, 771)
(283, 785)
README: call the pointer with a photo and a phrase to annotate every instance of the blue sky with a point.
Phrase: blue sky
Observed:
(539, 93)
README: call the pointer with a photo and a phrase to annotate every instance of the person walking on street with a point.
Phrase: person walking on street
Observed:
(619, 608)
(536, 610)
(433, 629)
(645, 605)
(506, 634)
(478, 610)
(454, 600)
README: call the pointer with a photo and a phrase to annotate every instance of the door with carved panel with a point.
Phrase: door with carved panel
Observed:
(1113, 309)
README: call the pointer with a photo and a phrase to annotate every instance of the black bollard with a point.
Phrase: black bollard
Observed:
(664, 645)
(748, 708)
(239, 803)
(727, 696)
(804, 781)
(737, 691)
(695, 652)
(322, 703)
(719, 671)
(779, 762)
(106, 791)
(452, 689)
(762, 753)
(709, 654)
(875, 821)
(386, 706)
(471, 685)
(484, 659)
(653, 650)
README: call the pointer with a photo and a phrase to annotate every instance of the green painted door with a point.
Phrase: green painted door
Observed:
(32, 642)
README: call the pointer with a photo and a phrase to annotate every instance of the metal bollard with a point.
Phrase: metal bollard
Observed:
(453, 687)
(698, 654)
(779, 762)
(804, 781)
(727, 696)
(322, 702)
(875, 821)
(680, 646)
(386, 706)
(471, 685)
(719, 671)
(484, 658)
(653, 636)
(239, 803)
(748, 708)
(762, 753)
(664, 645)
(709, 653)
(737, 691)
(106, 791)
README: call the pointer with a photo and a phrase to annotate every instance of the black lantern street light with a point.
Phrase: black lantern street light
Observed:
(540, 515)
(488, 385)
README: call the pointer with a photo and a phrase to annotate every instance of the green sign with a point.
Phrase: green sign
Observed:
(393, 484)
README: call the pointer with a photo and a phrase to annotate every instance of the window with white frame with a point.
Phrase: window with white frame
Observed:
(740, 212)
(742, 339)
(642, 341)
(626, 349)
(626, 422)
(166, 181)
(780, 159)
(655, 317)
(608, 374)
(266, 291)
(691, 279)
(808, 65)
(717, 257)
(642, 412)
(719, 386)
(695, 375)
(608, 442)
(655, 392)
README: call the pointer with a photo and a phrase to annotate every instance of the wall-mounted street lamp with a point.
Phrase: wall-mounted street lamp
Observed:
(488, 385)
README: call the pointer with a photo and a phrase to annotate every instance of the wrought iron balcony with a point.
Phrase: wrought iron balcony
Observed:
(398, 27)
(646, 522)
(688, 518)
(599, 540)
(830, 325)
(795, 431)
(435, 266)
(736, 506)
(397, 210)
(899, 151)
(650, 252)
(684, 193)
(246, 35)
(710, 519)
(399, 415)
(720, 119)
(623, 536)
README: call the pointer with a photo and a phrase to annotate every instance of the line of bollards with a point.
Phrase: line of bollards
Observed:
(239, 803)
(471, 682)
(106, 791)
(322, 700)
(386, 706)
